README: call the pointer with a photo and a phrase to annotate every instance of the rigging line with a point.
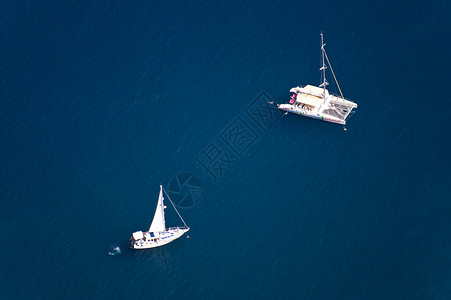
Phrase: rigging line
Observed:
(334, 75)
(174, 207)
(349, 115)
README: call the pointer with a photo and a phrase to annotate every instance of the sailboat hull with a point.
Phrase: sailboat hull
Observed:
(303, 112)
(157, 239)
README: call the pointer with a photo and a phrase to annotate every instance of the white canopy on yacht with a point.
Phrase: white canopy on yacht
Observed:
(138, 235)
(309, 95)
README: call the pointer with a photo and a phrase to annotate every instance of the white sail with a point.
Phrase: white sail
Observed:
(158, 223)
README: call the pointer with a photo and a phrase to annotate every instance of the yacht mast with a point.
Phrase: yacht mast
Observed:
(323, 69)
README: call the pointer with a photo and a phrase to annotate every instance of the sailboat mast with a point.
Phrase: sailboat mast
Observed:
(323, 68)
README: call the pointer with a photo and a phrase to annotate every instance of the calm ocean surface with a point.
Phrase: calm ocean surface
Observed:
(101, 101)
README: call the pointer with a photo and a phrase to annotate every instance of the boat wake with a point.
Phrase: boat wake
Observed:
(115, 249)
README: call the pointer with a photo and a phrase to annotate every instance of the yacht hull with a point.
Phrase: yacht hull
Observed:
(153, 240)
(306, 113)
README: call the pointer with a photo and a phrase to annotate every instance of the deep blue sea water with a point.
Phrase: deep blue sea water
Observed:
(101, 101)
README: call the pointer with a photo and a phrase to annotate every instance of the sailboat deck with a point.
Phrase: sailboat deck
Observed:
(310, 100)
(339, 110)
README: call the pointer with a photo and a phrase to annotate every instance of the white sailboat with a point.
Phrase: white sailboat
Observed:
(317, 102)
(158, 234)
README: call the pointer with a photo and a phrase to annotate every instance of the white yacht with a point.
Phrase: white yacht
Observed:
(158, 234)
(316, 101)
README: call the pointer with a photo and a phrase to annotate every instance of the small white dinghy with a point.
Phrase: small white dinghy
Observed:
(158, 234)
